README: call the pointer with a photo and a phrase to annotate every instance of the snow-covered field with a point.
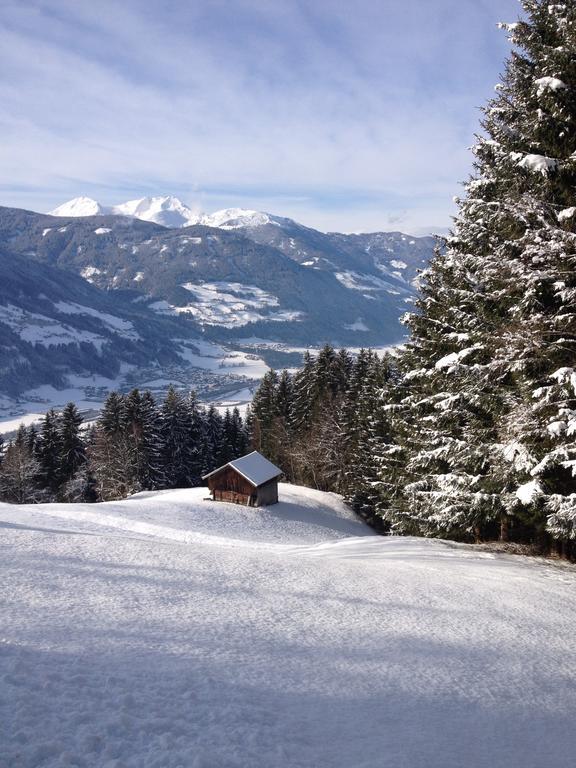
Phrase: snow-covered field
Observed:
(168, 631)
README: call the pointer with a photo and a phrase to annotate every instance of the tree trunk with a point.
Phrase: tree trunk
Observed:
(504, 527)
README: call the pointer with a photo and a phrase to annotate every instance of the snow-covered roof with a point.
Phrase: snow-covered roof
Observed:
(253, 467)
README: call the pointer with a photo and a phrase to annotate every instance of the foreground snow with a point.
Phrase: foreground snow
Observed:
(170, 631)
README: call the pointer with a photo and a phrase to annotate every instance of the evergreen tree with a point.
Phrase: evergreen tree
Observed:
(227, 451)
(113, 415)
(31, 439)
(150, 474)
(264, 413)
(284, 397)
(72, 449)
(303, 395)
(238, 436)
(196, 440)
(485, 420)
(178, 457)
(112, 455)
(212, 439)
(49, 450)
(139, 422)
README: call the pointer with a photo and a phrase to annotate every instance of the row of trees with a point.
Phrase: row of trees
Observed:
(135, 445)
(322, 425)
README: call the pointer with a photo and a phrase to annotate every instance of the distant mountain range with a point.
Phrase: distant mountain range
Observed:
(167, 211)
(107, 291)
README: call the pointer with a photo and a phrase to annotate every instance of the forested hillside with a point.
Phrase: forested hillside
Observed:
(473, 434)
(135, 445)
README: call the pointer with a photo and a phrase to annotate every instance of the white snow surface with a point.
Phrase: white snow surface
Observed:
(356, 281)
(80, 206)
(529, 492)
(544, 84)
(454, 358)
(566, 214)
(357, 325)
(116, 324)
(538, 164)
(229, 305)
(43, 330)
(166, 631)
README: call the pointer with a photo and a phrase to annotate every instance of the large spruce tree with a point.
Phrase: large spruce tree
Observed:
(486, 413)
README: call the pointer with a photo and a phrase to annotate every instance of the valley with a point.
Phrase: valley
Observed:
(149, 293)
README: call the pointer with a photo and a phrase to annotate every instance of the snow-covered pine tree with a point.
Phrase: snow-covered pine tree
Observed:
(264, 413)
(195, 439)
(238, 436)
(489, 408)
(212, 439)
(366, 429)
(302, 395)
(112, 416)
(226, 452)
(138, 419)
(110, 453)
(72, 448)
(150, 473)
(284, 395)
(177, 437)
(48, 449)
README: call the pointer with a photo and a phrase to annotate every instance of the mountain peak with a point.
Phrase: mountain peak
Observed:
(166, 210)
(236, 218)
(79, 206)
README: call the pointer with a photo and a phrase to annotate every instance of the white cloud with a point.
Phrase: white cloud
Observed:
(119, 95)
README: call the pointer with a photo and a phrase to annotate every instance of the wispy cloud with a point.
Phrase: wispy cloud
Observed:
(343, 117)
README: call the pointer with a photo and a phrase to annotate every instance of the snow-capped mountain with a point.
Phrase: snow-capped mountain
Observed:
(239, 218)
(165, 210)
(170, 212)
(81, 206)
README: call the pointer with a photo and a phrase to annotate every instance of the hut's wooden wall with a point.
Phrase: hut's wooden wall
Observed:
(229, 485)
(267, 493)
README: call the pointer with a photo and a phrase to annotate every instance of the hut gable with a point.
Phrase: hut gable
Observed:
(251, 480)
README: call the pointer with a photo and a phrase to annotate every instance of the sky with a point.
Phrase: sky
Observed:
(346, 116)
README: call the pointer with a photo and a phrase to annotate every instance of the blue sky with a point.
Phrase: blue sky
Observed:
(346, 116)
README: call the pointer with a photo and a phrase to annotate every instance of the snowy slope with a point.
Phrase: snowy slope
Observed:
(166, 631)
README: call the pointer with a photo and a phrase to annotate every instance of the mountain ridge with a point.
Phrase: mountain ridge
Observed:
(270, 289)
(167, 211)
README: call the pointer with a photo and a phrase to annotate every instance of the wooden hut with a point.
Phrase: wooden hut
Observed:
(251, 480)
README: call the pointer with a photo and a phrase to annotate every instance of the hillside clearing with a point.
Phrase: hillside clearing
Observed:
(168, 631)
